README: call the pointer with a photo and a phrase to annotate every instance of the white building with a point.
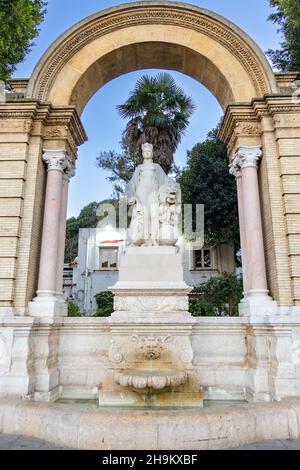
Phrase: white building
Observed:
(99, 252)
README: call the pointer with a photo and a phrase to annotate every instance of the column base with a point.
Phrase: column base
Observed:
(257, 303)
(47, 304)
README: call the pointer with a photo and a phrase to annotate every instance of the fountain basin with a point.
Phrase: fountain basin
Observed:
(151, 380)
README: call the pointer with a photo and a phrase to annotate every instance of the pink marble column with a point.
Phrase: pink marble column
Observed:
(69, 173)
(237, 172)
(56, 163)
(256, 300)
(248, 159)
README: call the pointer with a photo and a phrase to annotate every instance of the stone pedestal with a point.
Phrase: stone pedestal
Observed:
(151, 332)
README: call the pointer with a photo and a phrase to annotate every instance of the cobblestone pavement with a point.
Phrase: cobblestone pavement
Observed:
(13, 442)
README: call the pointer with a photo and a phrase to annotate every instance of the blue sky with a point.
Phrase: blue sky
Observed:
(100, 118)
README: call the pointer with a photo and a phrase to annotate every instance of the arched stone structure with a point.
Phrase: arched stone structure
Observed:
(42, 125)
(141, 35)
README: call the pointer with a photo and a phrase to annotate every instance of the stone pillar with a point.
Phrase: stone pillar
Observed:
(256, 300)
(68, 174)
(237, 172)
(45, 303)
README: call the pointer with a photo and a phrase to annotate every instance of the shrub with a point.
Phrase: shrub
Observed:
(200, 308)
(73, 310)
(105, 304)
(221, 295)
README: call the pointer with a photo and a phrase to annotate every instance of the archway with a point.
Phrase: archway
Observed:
(170, 36)
(261, 123)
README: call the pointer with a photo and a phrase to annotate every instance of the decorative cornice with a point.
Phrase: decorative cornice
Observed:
(244, 119)
(138, 14)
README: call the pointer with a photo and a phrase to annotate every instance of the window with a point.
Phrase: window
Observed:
(108, 258)
(202, 259)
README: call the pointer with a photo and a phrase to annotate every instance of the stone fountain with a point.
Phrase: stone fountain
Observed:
(150, 359)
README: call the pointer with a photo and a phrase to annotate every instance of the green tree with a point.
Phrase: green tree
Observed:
(221, 296)
(120, 166)
(206, 180)
(87, 219)
(19, 20)
(287, 17)
(158, 112)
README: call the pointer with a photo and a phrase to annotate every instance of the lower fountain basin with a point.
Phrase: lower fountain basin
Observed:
(151, 380)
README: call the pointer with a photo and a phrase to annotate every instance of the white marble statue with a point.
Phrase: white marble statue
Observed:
(156, 201)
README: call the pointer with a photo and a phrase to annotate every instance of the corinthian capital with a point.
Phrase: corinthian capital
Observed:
(70, 170)
(248, 156)
(234, 168)
(55, 160)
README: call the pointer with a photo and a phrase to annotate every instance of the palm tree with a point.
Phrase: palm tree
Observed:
(158, 112)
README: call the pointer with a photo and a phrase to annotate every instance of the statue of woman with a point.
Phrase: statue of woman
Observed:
(142, 193)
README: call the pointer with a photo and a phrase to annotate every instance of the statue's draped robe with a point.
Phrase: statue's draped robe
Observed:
(148, 210)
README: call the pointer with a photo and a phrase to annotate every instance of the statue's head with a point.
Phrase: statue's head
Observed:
(147, 151)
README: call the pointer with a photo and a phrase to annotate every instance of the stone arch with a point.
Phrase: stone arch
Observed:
(147, 34)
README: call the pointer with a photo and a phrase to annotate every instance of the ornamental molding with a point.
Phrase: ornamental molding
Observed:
(56, 132)
(151, 304)
(147, 15)
(245, 120)
(246, 128)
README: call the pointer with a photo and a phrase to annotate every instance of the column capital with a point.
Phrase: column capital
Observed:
(235, 169)
(70, 170)
(248, 156)
(55, 159)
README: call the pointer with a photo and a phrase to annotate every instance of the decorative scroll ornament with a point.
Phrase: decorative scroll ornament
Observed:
(114, 354)
(70, 170)
(235, 169)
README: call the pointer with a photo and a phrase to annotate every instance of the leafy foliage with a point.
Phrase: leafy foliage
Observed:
(19, 20)
(73, 310)
(287, 17)
(206, 180)
(87, 218)
(221, 296)
(200, 308)
(158, 112)
(105, 304)
(120, 165)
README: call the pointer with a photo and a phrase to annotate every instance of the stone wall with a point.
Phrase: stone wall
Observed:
(234, 357)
